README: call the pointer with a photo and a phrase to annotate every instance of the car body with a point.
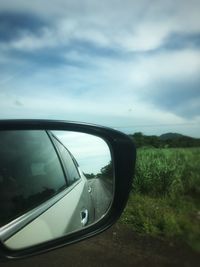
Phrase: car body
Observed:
(39, 178)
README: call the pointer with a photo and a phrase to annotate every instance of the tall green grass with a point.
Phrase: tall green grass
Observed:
(165, 198)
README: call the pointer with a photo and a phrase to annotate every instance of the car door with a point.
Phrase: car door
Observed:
(44, 195)
(84, 213)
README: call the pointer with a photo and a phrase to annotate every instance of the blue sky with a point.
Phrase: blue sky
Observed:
(91, 152)
(133, 65)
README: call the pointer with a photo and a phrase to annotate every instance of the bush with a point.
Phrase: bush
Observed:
(161, 172)
(165, 199)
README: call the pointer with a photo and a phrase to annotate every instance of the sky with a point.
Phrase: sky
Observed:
(91, 152)
(131, 65)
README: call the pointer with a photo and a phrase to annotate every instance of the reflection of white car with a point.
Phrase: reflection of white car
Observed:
(42, 186)
(45, 200)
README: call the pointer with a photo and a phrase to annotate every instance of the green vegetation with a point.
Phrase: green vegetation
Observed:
(105, 173)
(165, 198)
(168, 140)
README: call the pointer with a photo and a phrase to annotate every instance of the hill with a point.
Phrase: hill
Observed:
(170, 136)
(165, 140)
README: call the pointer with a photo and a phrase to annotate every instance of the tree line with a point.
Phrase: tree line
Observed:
(105, 173)
(169, 140)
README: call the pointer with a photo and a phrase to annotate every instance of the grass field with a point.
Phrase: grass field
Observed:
(165, 197)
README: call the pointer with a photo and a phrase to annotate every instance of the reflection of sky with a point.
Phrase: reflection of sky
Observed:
(91, 152)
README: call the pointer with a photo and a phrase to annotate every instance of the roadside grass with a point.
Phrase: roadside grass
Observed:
(165, 197)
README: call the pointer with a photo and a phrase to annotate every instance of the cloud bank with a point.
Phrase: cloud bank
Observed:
(114, 63)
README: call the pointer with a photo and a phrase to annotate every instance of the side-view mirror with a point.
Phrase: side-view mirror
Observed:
(60, 182)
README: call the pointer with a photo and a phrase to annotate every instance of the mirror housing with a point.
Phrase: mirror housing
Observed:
(123, 154)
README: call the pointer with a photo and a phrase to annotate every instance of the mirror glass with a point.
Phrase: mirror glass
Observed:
(52, 183)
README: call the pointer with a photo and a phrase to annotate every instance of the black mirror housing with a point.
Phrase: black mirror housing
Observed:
(123, 153)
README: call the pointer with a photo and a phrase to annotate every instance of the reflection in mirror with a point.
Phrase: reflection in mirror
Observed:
(51, 183)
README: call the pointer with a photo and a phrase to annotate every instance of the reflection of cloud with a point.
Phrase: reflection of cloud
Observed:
(91, 152)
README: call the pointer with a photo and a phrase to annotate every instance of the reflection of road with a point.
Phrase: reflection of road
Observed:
(102, 196)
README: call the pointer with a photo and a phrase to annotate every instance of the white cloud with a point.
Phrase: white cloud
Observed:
(114, 112)
(111, 87)
(130, 26)
(126, 107)
(106, 89)
(172, 65)
(29, 42)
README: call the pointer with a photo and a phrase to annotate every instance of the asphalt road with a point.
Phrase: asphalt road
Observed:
(118, 246)
(101, 195)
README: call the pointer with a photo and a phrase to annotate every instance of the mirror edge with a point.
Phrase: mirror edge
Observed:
(124, 156)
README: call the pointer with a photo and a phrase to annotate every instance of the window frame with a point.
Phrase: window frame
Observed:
(53, 138)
